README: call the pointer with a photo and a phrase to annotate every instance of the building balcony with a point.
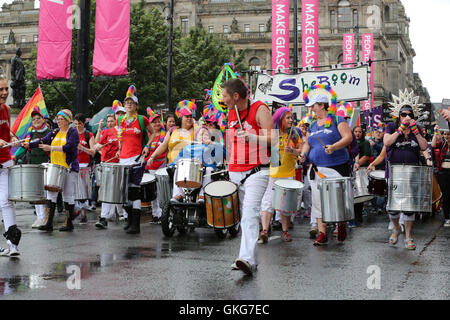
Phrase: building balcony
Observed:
(252, 36)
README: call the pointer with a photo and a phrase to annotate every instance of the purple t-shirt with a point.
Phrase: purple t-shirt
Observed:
(403, 151)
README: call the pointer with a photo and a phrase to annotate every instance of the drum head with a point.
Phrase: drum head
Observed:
(377, 174)
(289, 184)
(147, 178)
(220, 188)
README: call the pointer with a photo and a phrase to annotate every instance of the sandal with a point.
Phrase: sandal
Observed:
(393, 240)
(409, 244)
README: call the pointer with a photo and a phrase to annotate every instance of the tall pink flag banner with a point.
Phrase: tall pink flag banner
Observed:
(310, 33)
(112, 36)
(348, 48)
(280, 35)
(367, 53)
(54, 39)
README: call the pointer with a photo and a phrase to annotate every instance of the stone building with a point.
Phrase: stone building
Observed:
(247, 25)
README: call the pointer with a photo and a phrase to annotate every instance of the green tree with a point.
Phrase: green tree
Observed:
(198, 59)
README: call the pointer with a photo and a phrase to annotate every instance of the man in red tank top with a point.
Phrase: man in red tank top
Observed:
(12, 234)
(248, 145)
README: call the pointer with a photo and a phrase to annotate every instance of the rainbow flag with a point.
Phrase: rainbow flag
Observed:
(23, 122)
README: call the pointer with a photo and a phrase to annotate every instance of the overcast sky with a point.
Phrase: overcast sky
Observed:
(429, 34)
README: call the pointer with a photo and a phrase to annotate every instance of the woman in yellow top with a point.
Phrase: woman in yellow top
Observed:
(62, 143)
(177, 138)
(290, 145)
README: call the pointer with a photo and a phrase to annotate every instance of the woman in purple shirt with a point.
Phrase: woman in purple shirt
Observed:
(404, 142)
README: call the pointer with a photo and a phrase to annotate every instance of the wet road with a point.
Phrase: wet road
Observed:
(114, 265)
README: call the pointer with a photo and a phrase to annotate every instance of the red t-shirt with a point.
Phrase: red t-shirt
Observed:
(158, 162)
(5, 135)
(109, 137)
(84, 157)
(132, 138)
(245, 156)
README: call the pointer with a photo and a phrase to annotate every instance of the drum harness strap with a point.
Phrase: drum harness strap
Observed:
(253, 171)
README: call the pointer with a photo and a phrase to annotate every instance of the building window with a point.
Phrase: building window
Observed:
(387, 13)
(35, 38)
(299, 27)
(211, 29)
(344, 15)
(254, 64)
(262, 28)
(24, 39)
(184, 25)
(225, 29)
(355, 18)
(5, 39)
(246, 28)
(332, 19)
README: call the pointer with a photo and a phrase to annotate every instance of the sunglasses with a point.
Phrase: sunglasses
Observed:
(404, 114)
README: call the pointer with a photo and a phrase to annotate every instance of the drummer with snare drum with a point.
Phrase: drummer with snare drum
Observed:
(108, 145)
(282, 167)
(62, 143)
(326, 146)
(12, 233)
(23, 155)
(404, 141)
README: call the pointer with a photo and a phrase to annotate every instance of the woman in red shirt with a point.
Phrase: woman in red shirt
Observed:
(85, 152)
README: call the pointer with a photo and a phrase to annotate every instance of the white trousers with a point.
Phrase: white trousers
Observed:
(156, 210)
(136, 204)
(40, 211)
(7, 207)
(250, 198)
(316, 209)
(68, 192)
(108, 209)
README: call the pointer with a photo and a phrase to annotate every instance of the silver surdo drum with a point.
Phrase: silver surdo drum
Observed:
(336, 199)
(189, 173)
(114, 183)
(26, 183)
(286, 194)
(83, 188)
(410, 188)
(163, 186)
(55, 177)
(98, 174)
(361, 187)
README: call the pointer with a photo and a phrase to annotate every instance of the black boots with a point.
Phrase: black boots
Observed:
(129, 211)
(50, 213)
(13, 234)
(135, 224)
(68, 226)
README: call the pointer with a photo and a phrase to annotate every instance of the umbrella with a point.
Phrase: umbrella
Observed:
(95, 120)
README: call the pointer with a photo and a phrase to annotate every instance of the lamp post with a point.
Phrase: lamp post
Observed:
(170, 57)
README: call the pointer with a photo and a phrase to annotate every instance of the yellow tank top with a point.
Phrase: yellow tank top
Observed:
(287, 167)
(59, 157)
(177, 142)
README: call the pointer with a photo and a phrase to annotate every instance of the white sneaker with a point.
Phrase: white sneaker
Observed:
(245, 267)
(38, 222)
(13, 251)
(4, 252)
(447, 223)
(391, 225)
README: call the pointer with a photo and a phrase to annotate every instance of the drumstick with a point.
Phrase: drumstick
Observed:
(12, 143)
(323, 144)
(211, 174)
(19, 139)
(115, 157)
(239, 118)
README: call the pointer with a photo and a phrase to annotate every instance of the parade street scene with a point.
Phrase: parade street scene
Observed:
(230, 152)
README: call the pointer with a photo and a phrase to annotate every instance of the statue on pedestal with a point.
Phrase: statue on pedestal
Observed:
(18, 80)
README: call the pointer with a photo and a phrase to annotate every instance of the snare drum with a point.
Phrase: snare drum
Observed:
(222, 204)
(55, 177)
(189, 173)
(360, 187)
(83, 188)
(163, 186)
(26, 183)
(148, 188)
(377, 183)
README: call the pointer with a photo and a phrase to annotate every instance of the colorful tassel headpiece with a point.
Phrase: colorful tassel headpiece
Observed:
(185, 108)
(322, 89)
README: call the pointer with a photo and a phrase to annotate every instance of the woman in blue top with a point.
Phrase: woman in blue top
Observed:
(326, 147)
(211, 153)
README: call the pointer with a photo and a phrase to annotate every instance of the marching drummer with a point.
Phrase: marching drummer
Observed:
(377, 145)
(159, 162)
(440, 144)
(38, 130)
(250, 127)
(85, 152)
(12, 234)
(404, 140)
(108, 145)
(176, 139)
(62, 143)
(326, 146)
(289, 147)
(133, 136)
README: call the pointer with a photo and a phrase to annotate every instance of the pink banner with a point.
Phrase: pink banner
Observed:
(367, 53)
(55, 39)
(348, 49)
(280, 35)
(112, 35)
(310, 33)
